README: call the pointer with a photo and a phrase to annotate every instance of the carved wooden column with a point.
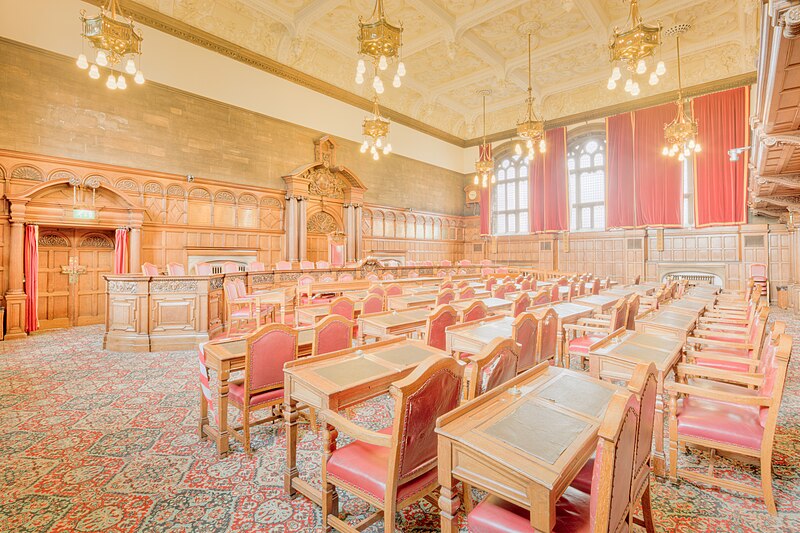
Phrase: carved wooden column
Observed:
(302, 229)
(15, 295)
(291, 228)
(348, 232)
(357, 233)
(135, 251)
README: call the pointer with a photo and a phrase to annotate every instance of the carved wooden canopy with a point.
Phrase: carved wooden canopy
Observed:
(324, 178)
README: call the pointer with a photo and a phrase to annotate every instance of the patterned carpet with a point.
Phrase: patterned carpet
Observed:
(98, 441)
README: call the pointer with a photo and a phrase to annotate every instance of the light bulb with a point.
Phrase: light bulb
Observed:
(379, 142)
(681, 157)
(687, 152)
(359, 78)
(379, 89)
(376, 81)
(692, 144)
(361, 68)
(364, 147)
(661, 69)
(401, 69)
(121, 83)
(628, 85)
(635, 89)
(130, 67)
(396, 81)
(386, 150)
(611, 84)
(111, 83)
(389, 148)
(542, 146)
(674, 147)
(653, 78)
(94, 73)
(82, 62)
(529, 144)
(665, 151)
(139, 78)
(476, 180)
(375, 156)
(493, 179)
(382, 63)
(101, 59)
(697, 148)
(518, 149)
(616, 74)
(641, 67)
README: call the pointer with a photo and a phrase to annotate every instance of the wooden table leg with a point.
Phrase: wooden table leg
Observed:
(330, 498)
(560, 348)
(223, 445)
(203, 416)
(449, 502)
(291, 421)
(659, 459)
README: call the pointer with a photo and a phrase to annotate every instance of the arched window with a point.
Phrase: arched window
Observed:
(510, 195)
(586, 162)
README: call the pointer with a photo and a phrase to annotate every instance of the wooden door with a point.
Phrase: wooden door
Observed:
(83, 302)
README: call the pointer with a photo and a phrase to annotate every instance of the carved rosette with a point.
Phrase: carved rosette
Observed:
(173, 285)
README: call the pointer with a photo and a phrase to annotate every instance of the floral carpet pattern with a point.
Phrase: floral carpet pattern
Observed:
(95, 441)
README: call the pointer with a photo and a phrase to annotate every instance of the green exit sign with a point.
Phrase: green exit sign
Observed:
(84, 214)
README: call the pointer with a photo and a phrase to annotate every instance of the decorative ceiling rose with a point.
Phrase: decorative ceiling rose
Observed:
(484, 166)
(376, 133)
(531, 129)
(631, 48)
(680, 135)
(380, 42)
(118, 44)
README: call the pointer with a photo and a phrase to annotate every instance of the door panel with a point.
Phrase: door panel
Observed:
(96, 253)
(54, 289)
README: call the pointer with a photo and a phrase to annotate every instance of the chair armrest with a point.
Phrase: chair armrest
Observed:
(719, 344)
(711, 394)
(596, 322)
(684, 370)
(579, 328)
(724, 325)
(721, 357)
(350, 428)
(733, 337)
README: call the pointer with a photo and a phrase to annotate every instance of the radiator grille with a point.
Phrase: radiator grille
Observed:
(634, 244)
(545, 246)
(754, 241)
(477, 248)
(693, 278)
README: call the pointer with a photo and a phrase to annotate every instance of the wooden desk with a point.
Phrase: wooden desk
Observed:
(311, 314)
(473, 337)
(666, 322)
(524, 441)
(620, 292)
(493, 304)
(422, 289)
(339, 379)
(599, 302)
(280, 297)
(224, 357)
(568, 313)
(389, 323)
(410, 301)
(690, 307)
(642, 289)
(616, 357)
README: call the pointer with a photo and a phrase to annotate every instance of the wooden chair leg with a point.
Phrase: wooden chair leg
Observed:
(388, 517)
(467, 497)
(647, 510)
(312, 419)
(766, 482)
(246, 431)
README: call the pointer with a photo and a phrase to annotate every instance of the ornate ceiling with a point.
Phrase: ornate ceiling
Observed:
(454, 47)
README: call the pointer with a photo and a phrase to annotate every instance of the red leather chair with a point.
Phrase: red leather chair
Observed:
(486, 271)
(541, 297)
(256, 266)
(229, 267)
(263, 309)
(446, 285)
(394, 290)
(373, 303)
(238, 309)
(331, 334)
(521, 304)
(727, 351)
(268, 349)
(306, 265)
(759, 275)
(525, 285)
(475, 311)
(343, 306)
(149, 269)
(555, 293)
(323, 264)
(500, 291)
(377, 289)
(438, 321)
(202, 269)
(413, 274)
(584, 333)
(395, 467)
(494, 365)
(445, 297)
(176, 269)
(548, 335)
(283, 265)
(490, 283)
(733, 419)
(606, 508)
(467, 294)
(525, 333)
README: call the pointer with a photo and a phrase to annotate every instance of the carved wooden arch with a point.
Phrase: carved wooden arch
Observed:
(53, 238)
(317, 212)
(2, 173)
(96, 240)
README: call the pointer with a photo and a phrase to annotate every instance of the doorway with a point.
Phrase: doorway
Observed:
(79, 298)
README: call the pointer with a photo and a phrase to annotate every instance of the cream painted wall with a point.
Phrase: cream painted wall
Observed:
(176, 63)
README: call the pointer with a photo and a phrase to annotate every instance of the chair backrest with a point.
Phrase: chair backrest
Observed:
(612, 478)
(644, 384)
(494, 365)
(758, 271)
(372, 277)
(465, 262)
(486, 262)
(502, 270)
(427, 263)
(306, 265)
(637, 279)
(305, 279)
(758, 329)
(373, 303)
(394, 290)
(441, 318)
(441, 273)
(411, 263)
(176, 269)
(618, 315)
(555, 293)
(231, 292)
(581, 287)
(548, 335)
(573, 291)
(490, 283)
(149, 269)
(413, 274)
(463, 284)
(500, 291)
(521, 303)
(771, 345)
(525, 334)
(462, 270)
(323, 264)
(634, 302)
(430, 391)
(563, 281)
(256, 266)
(475, 311)
(283, 265)
(343, 306)
(773, 387)
(596, 286)
(241, 288)
(525, 285)
(331, 334)
(377, 289)
(202, 269)
(229, 267)
(467, 293)
(445, 263)
(541, 297)
(445, 297)
(268, 348)
(485, 271)
(345, 277)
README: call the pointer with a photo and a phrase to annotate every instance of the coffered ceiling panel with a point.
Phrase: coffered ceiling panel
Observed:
(452, 48)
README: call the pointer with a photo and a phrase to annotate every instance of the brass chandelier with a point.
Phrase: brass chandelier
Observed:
(631, 48)
(376, 133)
(117, 41)
(680, 135)
(532, 128)
(379, 42)
(484, 166)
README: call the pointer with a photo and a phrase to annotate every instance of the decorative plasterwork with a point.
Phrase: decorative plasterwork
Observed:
(450, 46)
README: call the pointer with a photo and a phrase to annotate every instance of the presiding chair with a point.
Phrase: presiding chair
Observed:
(396, 466)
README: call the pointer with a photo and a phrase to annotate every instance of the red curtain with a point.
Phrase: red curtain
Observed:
(659, 191)
(721, 184)
(486, 198)
(121, 251)
(620, 189)
(548, 185)
(31, 267)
